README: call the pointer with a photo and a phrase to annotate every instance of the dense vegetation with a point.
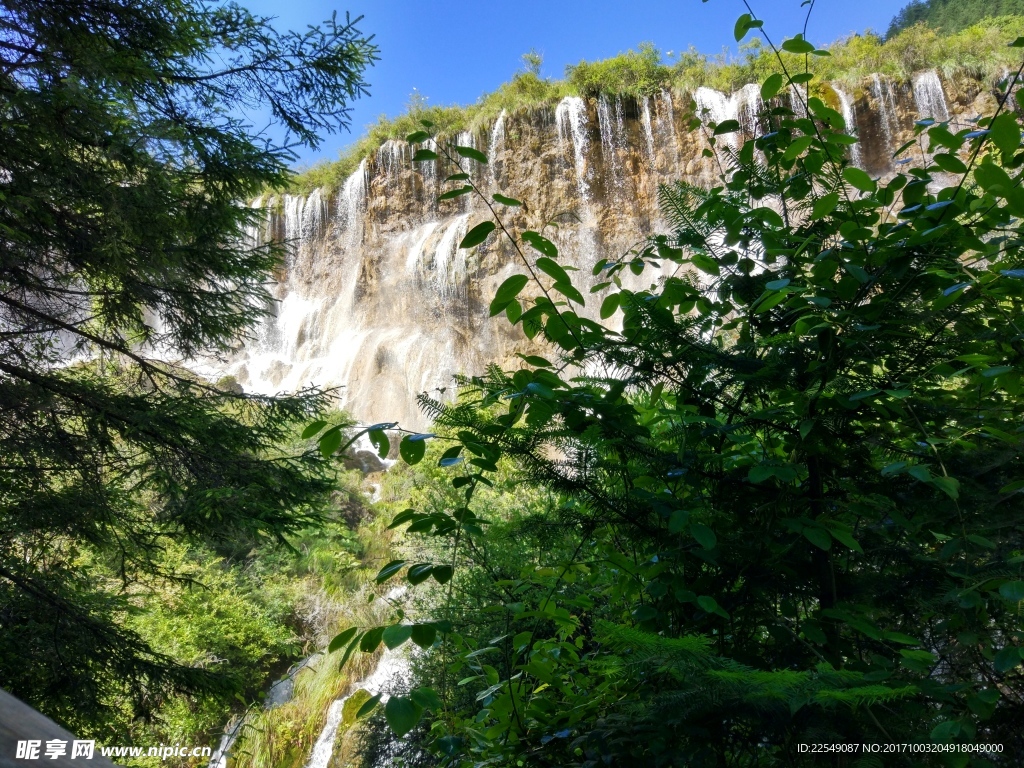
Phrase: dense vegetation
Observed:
(949, 16)
(124, 156)
(775, 497)
(978, 51)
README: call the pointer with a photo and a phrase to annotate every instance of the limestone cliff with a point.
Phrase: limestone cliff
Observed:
(376, 296)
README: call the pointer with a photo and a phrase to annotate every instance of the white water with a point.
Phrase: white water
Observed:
(496, 150)
(929, 97)
(645, 121)
(571, 119)
(850, 118)
(741, 106)
(797, 101)
(886, 105)
(613, 140)
(666, 127)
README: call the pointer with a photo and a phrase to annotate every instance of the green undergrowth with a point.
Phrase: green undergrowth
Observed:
(977, 52)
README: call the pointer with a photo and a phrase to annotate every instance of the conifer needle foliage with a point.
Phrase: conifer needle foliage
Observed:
(788, 470)
(124, 158)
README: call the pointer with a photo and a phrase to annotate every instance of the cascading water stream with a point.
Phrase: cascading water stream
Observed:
(610, 129)
(886, 105)
(645, 121)
(666, 126)
(742, 106)
(929, 97)
(496, 150)
(571, 119)
(850, 118)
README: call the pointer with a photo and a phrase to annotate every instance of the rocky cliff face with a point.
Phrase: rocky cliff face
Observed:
(376, 296)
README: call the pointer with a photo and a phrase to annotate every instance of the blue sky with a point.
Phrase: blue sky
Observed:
(453, 52)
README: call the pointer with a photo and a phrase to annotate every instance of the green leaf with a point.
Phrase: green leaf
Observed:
(610, 305)
(948, 485)
(477, 234)
(677, 523)
(330, 441)
(743, 25)
(506, 200)
(704, 263)
(506, 292)
(458, 177)
(858, 179)
(412, 451)
(450, 457)
(797, 45)
(1008, 658)
(371, 639)
(1018, 43)
(403, 517)
(540, 242)
(846, 540)
(349, 651)
(824, 205)
(472, 154)
(419, 573)
(455, 193)
(777, 285)
(427, 698)
(1005, 133)
(442, 573)
(396, 635)
(704, 535)
(771, 86)
(950, 163)
(390, 570)
(417, 137)
(726, 126)
(341, 640)
(380, 441)
(312, 429)
(819, 537)
(423, 155)
(553, 269)
(368, 706)
(402, 714)
(708, 604)
(424, 635)
(1012, 591)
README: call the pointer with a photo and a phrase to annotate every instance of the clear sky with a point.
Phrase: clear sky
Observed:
(452, 52)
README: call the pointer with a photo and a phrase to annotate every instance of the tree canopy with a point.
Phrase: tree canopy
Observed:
(125, 162)
(786, 472)
(951, 16)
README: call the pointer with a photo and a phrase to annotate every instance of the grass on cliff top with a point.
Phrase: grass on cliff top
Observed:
(978, 51)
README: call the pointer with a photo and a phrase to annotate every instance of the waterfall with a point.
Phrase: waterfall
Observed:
(351, 205)
(496, 148)
(797, 101)
(929, 96)
(391, 158)
(571, 119)
(645, 121)
(314, 217)
(415, 255)
(850, 118)
(742, 106)
(612, 132)
(882, 94)
(666, 122)
(449, 259)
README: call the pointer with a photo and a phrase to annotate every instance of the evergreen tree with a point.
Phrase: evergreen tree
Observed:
(125, 162)
(950, 16)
